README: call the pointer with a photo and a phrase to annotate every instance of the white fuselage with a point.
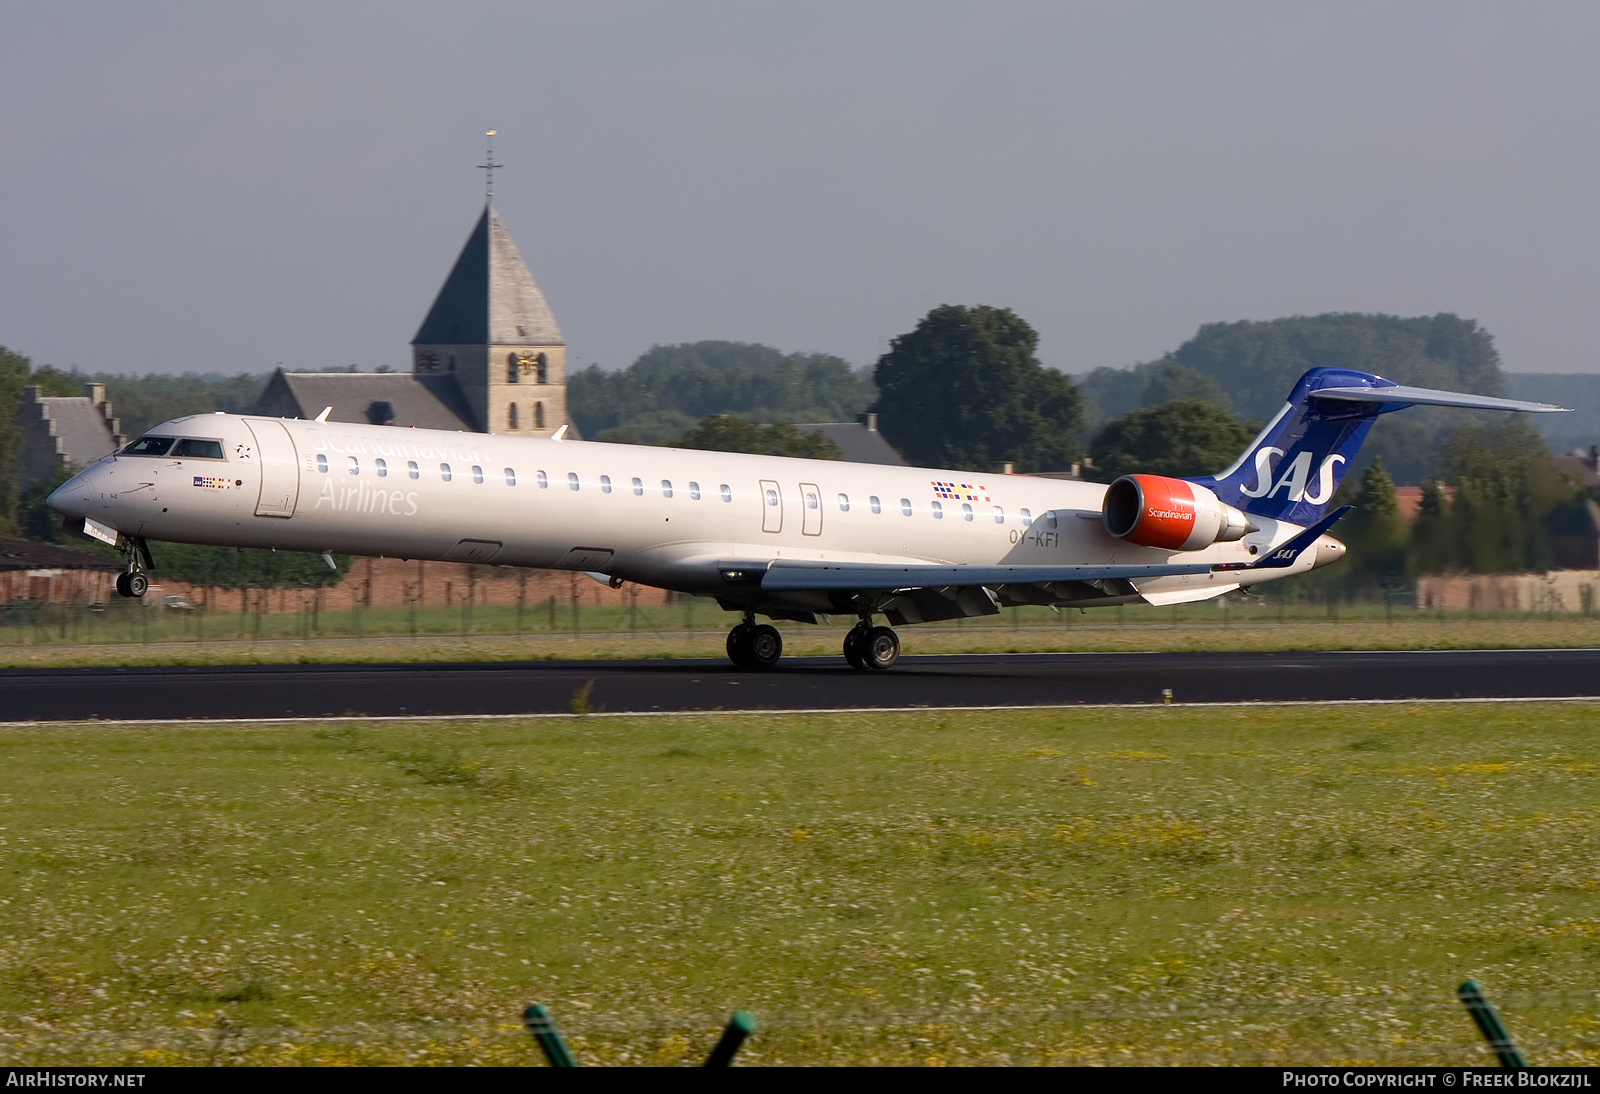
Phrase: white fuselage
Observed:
(659, 516)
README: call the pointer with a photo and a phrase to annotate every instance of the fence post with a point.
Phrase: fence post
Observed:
(1489, 1024)
(740, 1026)
(537, 1019)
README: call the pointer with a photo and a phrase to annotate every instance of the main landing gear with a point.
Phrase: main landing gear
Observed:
(871, 649)
(134, 583)
(755, 646)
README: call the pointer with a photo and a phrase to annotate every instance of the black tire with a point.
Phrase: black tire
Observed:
(739, 646)
(853, 641)
(765, 646)
(881, 649)
(122, 585)
(138, 584)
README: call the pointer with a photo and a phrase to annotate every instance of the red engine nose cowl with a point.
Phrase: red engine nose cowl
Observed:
(1171, 514)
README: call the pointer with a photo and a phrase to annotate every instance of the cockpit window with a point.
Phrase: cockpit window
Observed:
(152, 446)
(200, 450)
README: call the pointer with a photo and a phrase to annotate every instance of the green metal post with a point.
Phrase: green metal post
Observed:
(1489, 1024)
(740, 1026)
(537, 1019)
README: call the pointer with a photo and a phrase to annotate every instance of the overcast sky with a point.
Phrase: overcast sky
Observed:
(226, 187)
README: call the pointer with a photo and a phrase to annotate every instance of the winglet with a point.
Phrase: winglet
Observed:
(560, 434)
(324, 415)
(1286, 552)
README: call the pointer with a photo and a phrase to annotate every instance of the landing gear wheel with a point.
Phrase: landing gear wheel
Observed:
(738, 646)
(855, 638)
(138, 584)
(765, 646)
(881, 649)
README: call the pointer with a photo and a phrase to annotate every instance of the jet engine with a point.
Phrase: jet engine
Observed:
(1155, 511)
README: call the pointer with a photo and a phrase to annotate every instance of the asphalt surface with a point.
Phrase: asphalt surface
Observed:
(276, 691)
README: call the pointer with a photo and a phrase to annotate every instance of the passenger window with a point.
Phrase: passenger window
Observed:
(844, 503)
(694, 491)
(999, 515)
(605, 484)
(772, 497)
(966, 511)
(1050, 518)
(727, 494)
(905, 506)
(938, 511)
(877, 506)
(322, 463)
(477, 474)
(352, 465)
(383, 468)
(1027, 518)
(202, 450)
(542, 479)
(149, 446)
(812, 501)
(572, 480)
(666, 488)
(638, 488)
(412, 470)
(511, 477)
(444, 472)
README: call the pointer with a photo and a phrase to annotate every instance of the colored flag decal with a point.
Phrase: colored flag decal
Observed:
(959, 491)
(212, 483)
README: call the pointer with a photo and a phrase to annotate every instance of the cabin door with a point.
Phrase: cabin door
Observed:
(279, 467)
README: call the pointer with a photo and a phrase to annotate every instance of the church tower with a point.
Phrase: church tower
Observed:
(492, 330)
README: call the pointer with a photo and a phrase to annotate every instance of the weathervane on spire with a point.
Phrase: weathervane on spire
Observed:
(488, 165)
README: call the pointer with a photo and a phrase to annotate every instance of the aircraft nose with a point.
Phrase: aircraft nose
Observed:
(1329, 551)
(72, 498)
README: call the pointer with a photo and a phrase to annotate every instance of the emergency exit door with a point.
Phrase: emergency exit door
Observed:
(771, 506)
(810, 509)
(279, 467)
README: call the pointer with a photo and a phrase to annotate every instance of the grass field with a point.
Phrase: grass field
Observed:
(133, 636)
(1301, 884)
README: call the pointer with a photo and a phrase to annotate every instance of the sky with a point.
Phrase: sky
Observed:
(222, 187)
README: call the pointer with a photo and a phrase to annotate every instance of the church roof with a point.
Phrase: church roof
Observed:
(427, 401)
(490, 297)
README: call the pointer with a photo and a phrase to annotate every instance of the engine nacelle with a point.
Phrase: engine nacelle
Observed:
(1155, 511)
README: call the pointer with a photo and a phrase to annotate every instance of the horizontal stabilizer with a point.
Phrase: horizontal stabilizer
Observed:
(1423, 396)
(1291, 549)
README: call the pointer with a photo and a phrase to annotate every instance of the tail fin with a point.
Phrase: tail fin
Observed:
(1291, 470)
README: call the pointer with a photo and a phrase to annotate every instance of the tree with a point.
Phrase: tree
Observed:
(696, 379)
(14, 369)
(965, 389)
(731, 433)
(1376, 532)
(1181, 438)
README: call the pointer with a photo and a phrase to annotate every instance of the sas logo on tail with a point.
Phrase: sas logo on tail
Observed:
(1293, 479)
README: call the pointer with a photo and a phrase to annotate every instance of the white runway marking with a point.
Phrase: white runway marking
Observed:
(1156, 705)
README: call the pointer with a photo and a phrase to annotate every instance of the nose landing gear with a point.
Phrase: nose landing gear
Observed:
(754, 646)
(871, 649)
(134, 583)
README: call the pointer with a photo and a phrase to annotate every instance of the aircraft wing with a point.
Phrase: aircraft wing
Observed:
(784, 575)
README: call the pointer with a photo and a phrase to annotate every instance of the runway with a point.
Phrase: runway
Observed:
(823, 683)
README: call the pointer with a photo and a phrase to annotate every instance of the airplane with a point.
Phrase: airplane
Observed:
(784, 538)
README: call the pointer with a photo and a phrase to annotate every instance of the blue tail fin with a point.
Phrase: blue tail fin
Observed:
(1291, 470)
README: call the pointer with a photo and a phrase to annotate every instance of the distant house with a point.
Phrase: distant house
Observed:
(43, 572)
(59, 432)
(859, 441)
